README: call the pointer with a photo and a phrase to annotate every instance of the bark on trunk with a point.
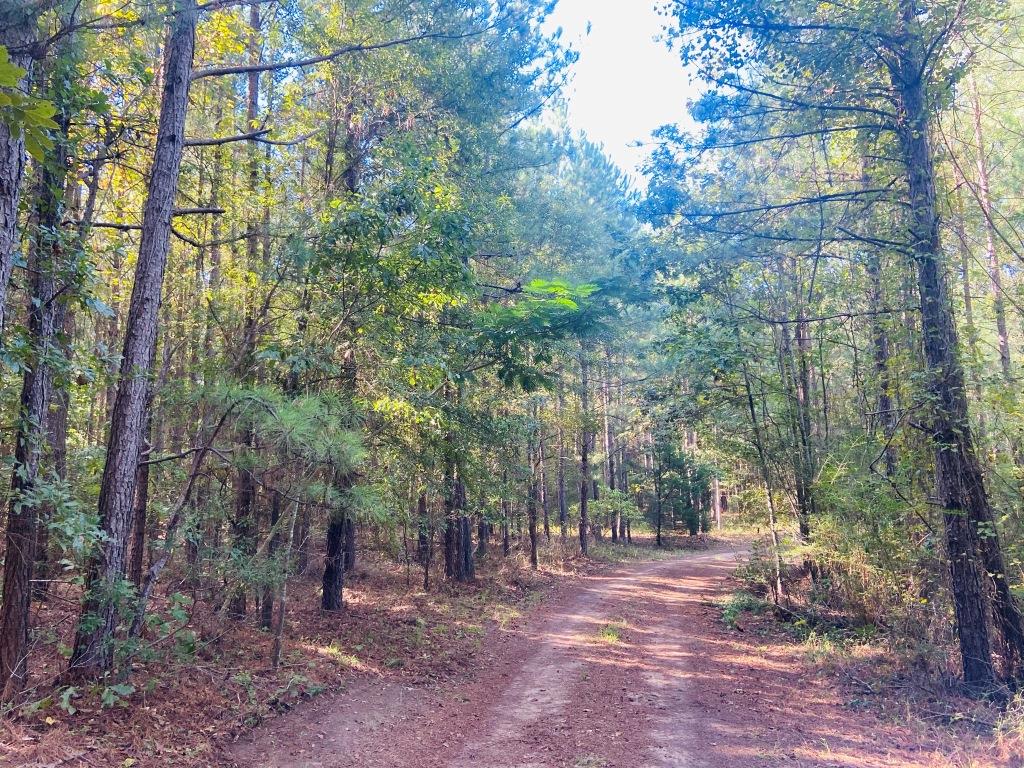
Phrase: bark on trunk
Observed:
(960, 488)
(270, 590)
(243, 524)
(584, 453)
(18, 30)
(423, 530)
(334, 565)
(995, 268)
(563, 460)
(657, 504)
(609, 445)
(46, 313)
(795, 382)
(545, 501)
(506, 536)
(140, 505)
(880, 348)
(533, 500)
(756, 428)
(93, 649)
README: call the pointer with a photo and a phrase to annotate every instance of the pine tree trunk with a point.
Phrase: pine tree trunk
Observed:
(563, 502)
(506, 538)
(93, 649)
(482, 534)
(960, 485)
(794, 383)
(140, 505)
(467, 564)
(778, 588)
(267, 603)
(880, 348)
(533, 498)
(46, 313)
(609, 445)
(584, 453)
(243, 523)
(334, 564)
(624, 487)
(995, 268)
(423, 530)
(17, 33)
(545, 501)
(302, 547)
(970, 327)
(657, 505)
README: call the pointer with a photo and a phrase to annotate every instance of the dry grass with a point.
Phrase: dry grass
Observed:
(877, 675)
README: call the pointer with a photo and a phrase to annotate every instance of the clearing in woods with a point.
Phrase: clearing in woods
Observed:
(632, 669)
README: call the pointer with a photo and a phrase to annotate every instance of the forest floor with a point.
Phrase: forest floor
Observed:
(627, 667)
(622, 661)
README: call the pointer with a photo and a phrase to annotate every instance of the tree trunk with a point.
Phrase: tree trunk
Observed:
(716, 501)
(93, 651)
(302, 548)
(140, 504)
(18, 30)
(584, 452)
(756, 428)
(880, 347)
(563, 460)
(609, 445)
(57, 429)
(545, 501)
(506, 538)
(334, 564)
(451, 540)
(282, 597)
(243, 523)
(269, 590)
(467, 565)
(534, 494)
(52, 194)
(624, 487)
(423, 530)
(970, 327)
(796, 407)
(482, 534)
(46, 314)
(995, 268)
(959, 484)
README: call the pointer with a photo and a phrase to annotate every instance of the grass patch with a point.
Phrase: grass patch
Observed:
(738, 604)
(336, 653)
(611, 633)
(607, 552)
(505, 615)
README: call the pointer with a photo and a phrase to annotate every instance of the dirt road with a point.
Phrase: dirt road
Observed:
(633, 669)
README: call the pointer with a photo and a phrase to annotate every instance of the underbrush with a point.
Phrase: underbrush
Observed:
(740, 603)
(882, 665)
(185, 699)
(644, 547)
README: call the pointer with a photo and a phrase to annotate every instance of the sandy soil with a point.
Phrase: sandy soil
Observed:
(633, 668)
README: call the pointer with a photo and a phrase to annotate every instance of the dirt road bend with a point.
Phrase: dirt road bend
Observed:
(632, 669)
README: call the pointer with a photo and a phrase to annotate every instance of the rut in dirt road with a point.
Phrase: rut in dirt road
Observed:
(633, 670)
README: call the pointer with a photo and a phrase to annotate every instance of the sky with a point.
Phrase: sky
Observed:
(626, 82)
